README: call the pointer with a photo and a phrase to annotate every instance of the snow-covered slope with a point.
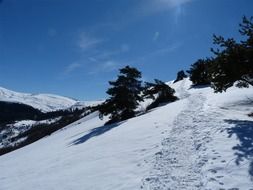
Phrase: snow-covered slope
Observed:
(203, 141)
(43, 102)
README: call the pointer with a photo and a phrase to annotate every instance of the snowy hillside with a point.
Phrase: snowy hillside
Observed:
(203, 141)
(43, 102)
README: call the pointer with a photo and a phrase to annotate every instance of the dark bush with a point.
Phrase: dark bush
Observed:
(160, 92)
(180, 76)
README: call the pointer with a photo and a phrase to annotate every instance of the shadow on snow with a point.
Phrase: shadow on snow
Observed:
(199, 86)
(243, 129)
(94, 133)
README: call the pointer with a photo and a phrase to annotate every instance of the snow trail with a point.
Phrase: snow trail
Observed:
(181, 91)
(179, 163)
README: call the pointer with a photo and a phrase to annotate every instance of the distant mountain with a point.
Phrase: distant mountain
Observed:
(43, 102)
(25, 118)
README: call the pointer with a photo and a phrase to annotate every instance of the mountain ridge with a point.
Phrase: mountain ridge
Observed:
(43, 102)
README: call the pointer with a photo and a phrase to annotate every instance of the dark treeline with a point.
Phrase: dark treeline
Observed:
(39, 131)
(11, 112)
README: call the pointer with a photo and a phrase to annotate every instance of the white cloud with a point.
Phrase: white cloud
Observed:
(87, 42)
(156, 36)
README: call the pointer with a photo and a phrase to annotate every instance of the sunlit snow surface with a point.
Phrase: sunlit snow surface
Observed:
(203, 141)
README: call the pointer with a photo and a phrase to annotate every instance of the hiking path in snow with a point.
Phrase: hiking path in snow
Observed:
(178, 165)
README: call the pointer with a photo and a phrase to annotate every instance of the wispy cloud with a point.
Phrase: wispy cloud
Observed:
(72, 67)
(110, 65)
(103, 55)
(70, 70)
(159, 52)
(87, 42)
(169, 49)
(124, 48)
(161, 5)
(148, 7)
(107, 66)
(171, 3)
(96, 62)
(156, 36)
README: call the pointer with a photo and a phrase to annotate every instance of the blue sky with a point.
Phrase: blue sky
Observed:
(73, 48)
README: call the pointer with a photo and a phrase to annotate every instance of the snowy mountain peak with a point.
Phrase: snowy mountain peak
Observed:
(43, 102)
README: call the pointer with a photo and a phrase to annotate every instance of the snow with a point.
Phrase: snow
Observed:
(203, 141)
(83, 104)
(20, 124)
(43, 102)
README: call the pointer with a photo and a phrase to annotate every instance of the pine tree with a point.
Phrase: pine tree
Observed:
(124, 95)
(180, 76)
(233, 62)
(159, 92)
(199, 72)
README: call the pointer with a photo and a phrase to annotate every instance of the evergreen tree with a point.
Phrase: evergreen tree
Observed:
(233, 62)
(180, 76)
(199, 72)
(159, 92)
(124, 95)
